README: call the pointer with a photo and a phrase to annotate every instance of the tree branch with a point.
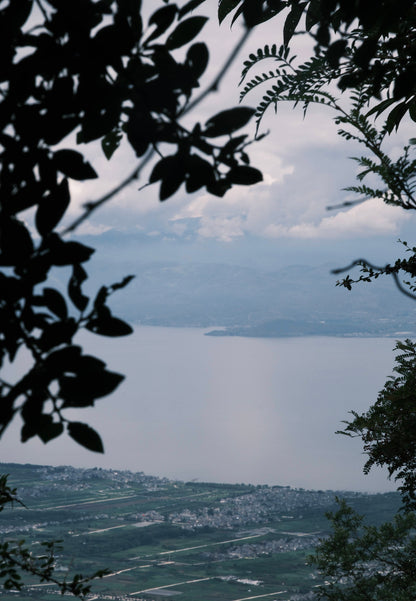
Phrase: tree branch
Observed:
(93, 205)
(365, 263)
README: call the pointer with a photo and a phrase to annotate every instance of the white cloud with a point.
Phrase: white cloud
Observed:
(243, 209)
(90, 229)
(221, 228)
(370, 218)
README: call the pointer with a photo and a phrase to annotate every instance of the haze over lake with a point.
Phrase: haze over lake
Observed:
(229, 409)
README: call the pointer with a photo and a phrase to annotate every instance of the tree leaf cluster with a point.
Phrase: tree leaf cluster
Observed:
(95, 71)
(371, 43)
(367, 563)
(17, 560)
(387, 428)
(308, 83)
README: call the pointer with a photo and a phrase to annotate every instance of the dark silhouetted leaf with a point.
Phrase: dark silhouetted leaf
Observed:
(335, 52)
(81, 389)
(255, 11)
(412, 110)
(50, 431)
(225, 7)
(55, 302)
(62, 360)
(111, 142)
(312, 14)
(69, 253)
(163, 19)
(171, 170)
(72, 164)
(197, 58)
(233, 144)
(124, 282)
(365, 53)
(219, 187)
(85, 436)
(18, 12)
(57, 333)
(189, 7)
(79, 299)
(245, 175)
(170, 185)
(52, 208)
(101, 297)
(200, 173)
(140, 130)
(16, 243)
(292, 21)
(106, 325)
(185, 32)
(395, 116)
(228, 121)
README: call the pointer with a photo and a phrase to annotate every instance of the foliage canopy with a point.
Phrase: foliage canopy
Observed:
(369, 44)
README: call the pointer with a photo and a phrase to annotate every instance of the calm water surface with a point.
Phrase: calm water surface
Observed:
(229, 409)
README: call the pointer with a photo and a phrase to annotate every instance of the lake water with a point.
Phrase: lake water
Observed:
(229, 409)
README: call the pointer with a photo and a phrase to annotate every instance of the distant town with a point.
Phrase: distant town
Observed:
(159, 537)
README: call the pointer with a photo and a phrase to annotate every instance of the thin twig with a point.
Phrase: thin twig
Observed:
(42, 10)
(365, 263)
(216, 83)
(93, 205)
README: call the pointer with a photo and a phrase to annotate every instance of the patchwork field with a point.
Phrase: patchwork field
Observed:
(163, 539)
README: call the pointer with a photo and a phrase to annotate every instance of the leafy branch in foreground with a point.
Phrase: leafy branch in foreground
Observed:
(360, 562)
(309, 83)
(388, 428)
(109, 78)
(16, 559)
(405, 268)
(379, 53)
(367, 563)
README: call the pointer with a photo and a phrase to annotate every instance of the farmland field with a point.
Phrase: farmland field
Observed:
(163, 539)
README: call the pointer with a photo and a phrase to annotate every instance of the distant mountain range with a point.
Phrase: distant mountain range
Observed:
(292, 301)
(188, 285)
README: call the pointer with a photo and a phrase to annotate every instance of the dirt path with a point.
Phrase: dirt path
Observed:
(259, 596)
(90, 502)
(157, 588)
(224, 542)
